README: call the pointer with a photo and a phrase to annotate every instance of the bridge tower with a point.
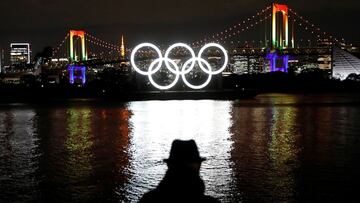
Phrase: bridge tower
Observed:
(122, 48)
(280, 32)
(73, 54)
(280, 38)
(77, 72)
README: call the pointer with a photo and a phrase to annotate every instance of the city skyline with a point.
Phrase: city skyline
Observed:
(43, 23)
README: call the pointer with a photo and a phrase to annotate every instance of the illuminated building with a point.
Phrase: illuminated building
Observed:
(255, 64)
(73, 51)
(344, 64)
(20, 53)
(240, 64)
(324, 60)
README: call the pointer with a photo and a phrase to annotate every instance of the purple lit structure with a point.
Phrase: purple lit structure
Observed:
(75, 69)
(274, 60)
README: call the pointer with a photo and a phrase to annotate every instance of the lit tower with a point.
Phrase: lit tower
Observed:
(122, 48)
(81, 35)
(278, 61)
(280, 39)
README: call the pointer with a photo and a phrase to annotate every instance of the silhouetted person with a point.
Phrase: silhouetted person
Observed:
(182, 182)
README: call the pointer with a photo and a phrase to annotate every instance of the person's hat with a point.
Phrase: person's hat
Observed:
(184, 152)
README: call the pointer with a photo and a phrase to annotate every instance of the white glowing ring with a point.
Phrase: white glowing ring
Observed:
(167, 53)
(159, 61)
(185, 71)
(187, 67)
(132, 59)
(226, 59)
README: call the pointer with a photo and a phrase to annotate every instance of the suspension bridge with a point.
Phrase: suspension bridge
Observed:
(290, 40)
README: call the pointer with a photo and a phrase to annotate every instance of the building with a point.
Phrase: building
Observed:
(2, 58)
(324, 60)
(344, 64)
(20, 53)
(240, 64)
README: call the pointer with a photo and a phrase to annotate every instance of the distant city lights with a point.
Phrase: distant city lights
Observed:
(20, 53)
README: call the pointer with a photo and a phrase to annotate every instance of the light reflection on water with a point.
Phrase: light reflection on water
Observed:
(18, 154)
(283, 151)
(78, 148)
(276, 148)
(156, 124)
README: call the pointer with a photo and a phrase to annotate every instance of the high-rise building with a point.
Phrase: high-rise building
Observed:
(2, 58)
(20, 53)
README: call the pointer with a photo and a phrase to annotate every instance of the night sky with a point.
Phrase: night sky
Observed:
(45, 22)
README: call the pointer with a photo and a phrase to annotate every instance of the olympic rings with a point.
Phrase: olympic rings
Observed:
(159, 60)
(170, 64)
(192, 60)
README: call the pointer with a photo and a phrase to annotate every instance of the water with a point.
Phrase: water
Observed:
(275, 148)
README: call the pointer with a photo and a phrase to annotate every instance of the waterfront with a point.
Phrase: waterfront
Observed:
(274, 148)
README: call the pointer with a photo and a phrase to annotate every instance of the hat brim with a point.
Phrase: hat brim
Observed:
(199, 160)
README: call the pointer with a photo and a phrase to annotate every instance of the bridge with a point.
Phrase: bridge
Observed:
(290, 39)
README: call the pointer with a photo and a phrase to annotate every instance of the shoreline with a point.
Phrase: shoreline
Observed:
(61, 94)
(21, 94)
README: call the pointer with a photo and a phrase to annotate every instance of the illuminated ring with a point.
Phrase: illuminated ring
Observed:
(151, 72)
(132, 59)
(185, 71)
(226, 60)
(187, 67)
(167, 53)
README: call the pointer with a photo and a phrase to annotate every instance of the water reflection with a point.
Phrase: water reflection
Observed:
(273, 149)
(265, 152)
(157, 123)
(18, 155)
(327, 166)
(78, 148)
(111, 147)
(283, 152)
(85, 156)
